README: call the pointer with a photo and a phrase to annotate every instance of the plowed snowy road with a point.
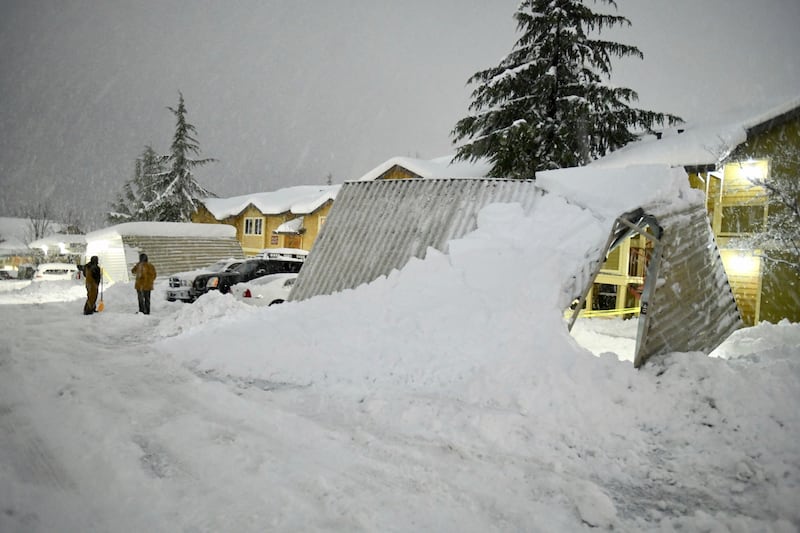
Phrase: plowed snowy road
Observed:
(112, 423)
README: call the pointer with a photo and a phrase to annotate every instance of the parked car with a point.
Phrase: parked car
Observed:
(267, 290)
(250, 269)
(55, 272)
(179, 286)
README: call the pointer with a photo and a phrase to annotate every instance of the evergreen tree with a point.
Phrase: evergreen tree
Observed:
(545, 105)
(139, 194)
(179, 191)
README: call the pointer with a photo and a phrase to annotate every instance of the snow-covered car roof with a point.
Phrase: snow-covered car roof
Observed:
(57, 266)
(283, 253)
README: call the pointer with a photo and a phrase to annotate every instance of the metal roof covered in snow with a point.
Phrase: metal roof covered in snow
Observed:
(377, 226)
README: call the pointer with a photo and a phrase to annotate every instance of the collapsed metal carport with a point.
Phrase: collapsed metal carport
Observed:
(376, 227)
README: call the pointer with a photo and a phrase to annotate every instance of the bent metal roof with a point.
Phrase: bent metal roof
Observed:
(378, 226)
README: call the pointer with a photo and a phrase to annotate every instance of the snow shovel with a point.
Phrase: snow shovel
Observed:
(101, 305)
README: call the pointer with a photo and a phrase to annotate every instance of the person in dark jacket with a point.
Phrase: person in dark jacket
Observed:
(93, 275)
(145, 276)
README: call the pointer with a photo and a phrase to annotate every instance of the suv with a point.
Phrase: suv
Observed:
(249, 269)
(180, 284)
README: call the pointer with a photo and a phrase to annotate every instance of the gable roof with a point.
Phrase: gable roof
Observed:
(15, 232)
(440, 167)
(701, 145)
(299, 200)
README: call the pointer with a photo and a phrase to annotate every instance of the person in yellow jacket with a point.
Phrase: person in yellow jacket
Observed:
(145, 276)
(92, 275)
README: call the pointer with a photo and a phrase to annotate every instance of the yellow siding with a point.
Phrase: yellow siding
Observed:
(744, 274)
(312, 223)
(203, 216)
(397, 173)
(254, 244)
(251, 244)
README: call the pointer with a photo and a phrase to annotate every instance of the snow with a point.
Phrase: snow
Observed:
(448, 396)
(301, 199)
(58, 241)
(294, 225)
(440, 167)
(643, 185)
(16, 232)
(696, 144)
(166, 229)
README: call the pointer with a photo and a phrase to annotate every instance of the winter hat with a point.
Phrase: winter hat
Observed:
(93, 259)
(143, 258)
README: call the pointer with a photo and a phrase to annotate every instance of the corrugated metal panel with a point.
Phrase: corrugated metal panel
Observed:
(691, 307)
(377, 226)
(171, 254)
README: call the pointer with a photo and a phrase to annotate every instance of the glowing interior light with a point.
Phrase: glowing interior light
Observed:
(742, 264)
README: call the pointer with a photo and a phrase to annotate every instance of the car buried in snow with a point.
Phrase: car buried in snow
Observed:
(249, 269)
(267, 290)
(179, 286)
(56, 272)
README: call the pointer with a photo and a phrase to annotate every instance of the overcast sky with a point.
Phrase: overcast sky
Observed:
(284, 92)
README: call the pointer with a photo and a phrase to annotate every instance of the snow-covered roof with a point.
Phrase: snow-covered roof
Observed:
(596, 189)
(57, 239)
(165, 229)
(441, 167)
(12, 231)
(300, 200)
(16, 231)
(696, 145)
(291, 226)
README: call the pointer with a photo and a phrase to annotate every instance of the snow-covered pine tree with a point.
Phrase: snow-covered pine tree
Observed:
(135, 201)
(178, 189)
(545, 105)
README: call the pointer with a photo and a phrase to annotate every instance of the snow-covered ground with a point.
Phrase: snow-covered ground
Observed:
(446, 397)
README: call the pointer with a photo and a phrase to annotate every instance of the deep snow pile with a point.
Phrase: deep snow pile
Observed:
(454, 350)
(448, 396)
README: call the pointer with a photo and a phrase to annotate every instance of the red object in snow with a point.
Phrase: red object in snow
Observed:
(247, 294)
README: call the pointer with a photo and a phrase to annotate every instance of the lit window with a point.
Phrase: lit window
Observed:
(742, 219)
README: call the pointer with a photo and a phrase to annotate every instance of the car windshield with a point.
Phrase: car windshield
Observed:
(222, 265)
(246, 268)
(216, 267)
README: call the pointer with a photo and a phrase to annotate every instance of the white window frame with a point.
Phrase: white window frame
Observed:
(254, 225)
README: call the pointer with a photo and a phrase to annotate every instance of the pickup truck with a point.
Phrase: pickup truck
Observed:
(246, 271)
